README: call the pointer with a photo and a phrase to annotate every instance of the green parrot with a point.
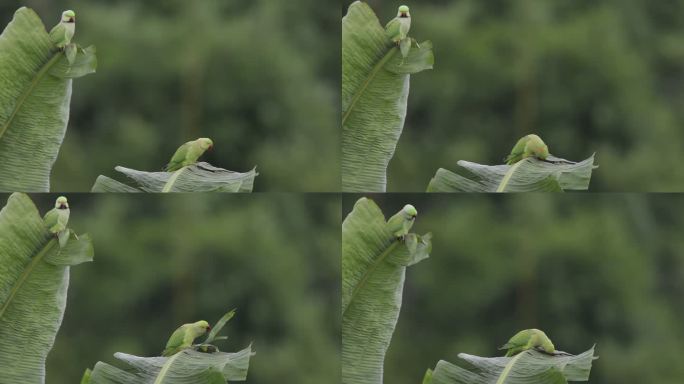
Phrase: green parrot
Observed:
(188, 153)
(528, 339)
(528, 146)
(63, 32)
(183, 337)
(57, 219)
(398, 28)
(402, 221)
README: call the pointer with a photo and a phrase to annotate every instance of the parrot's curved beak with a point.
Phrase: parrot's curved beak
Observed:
(208, 327)
(404, 14)
(71, 20)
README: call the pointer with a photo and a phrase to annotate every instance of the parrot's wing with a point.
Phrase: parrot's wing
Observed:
(178, 157)
(51, 218)
(517, 151)
(392, 29)
(175, 341)
(193, 153)
(58, 34)
(508, 345)
(395, 222)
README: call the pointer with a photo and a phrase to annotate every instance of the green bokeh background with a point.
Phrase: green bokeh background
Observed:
(604, 269)
(260, 77)
(603, 76)
(161, 261)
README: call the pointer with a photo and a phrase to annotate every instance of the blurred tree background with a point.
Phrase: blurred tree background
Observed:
(604, 269)
(603, 76)
(261, 78)
(164, 261)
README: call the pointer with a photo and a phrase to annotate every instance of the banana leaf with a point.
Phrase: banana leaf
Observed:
(373, 269)
(529, 367)
(186, 367)
(190, 366)
(527, 175)
(200, 177)
(35, 94)
(34, 277)
(375, 88)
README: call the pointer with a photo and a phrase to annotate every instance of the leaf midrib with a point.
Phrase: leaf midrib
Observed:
(367, 82)
(27, 272)
(165, 368)
(507, 369)
(507, 178)
(172, 180)
(22, 99)
(369, 272)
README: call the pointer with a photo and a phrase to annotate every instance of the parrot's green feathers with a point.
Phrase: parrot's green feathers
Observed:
(64, 31)
(400, 224)
(184, 336)
(528, 339)
(528, 146)
(56, 219)
(189, 153)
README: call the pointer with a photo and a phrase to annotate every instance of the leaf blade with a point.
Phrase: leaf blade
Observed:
(33, 289)
(375, 86)
(373, 270)
(528, 175)
(34, 103)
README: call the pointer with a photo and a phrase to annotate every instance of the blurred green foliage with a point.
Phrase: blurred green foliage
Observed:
(602, 76)
(604, 269)
(261, 78)
(161, 261)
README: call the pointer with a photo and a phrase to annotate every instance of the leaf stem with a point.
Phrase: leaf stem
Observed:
(172, 180)
(165, 368)
(369, 79)
(372, 269)
(507, 370)
(25, 95)
(29, 268)
(507, 177)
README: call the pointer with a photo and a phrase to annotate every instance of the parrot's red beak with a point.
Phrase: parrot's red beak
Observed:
(71, 20)
(208, 327)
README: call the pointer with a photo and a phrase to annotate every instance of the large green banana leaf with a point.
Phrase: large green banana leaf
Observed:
(186, 367)
(529, 367)
(373, 269)
(34, 277)
(375, 88)
(528, 175)
(200, 177)
(35, 93)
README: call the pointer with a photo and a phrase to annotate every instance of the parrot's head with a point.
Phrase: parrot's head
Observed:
(205, 143)
(203, 326)
(61, 203)
(403, 11)
(410, 211)
(538, 147)
(68, 16)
